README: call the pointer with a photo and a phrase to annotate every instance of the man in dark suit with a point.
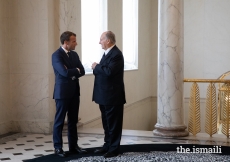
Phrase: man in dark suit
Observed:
(67, 68)
(109, 93)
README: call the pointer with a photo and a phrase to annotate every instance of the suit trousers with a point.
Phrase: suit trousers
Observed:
(112, 120)
(71, 107)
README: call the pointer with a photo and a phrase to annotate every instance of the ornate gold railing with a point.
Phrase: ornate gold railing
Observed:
(213, 115)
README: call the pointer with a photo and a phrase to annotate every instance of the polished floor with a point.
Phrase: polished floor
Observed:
(19, 147)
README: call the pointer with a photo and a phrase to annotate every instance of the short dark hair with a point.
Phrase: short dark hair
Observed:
(111, 36)
(66, 36)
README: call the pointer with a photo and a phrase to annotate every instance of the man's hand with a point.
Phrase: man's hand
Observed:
(94, 65)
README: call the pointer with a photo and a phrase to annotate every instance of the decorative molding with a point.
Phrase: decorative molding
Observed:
(127, 107)
(7, 127)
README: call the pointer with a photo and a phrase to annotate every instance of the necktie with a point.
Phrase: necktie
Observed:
(68, 54)
(103, 56)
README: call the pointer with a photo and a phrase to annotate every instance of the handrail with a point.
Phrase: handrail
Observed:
(212, 115)
(208, 80)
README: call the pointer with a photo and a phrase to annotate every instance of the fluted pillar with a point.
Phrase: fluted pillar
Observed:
(170, 115)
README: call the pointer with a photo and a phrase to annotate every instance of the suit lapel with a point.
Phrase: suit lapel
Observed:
(108, 55)
(70, 59)
(66, 58)
(103, 58)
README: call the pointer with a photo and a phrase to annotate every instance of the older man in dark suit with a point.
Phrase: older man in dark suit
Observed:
(109, 93)
(67, 68)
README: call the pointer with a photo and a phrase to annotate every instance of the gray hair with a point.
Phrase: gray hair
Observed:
(111, 36)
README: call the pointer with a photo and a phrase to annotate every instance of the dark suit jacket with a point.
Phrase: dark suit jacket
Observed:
(109, 83)
(65, 86)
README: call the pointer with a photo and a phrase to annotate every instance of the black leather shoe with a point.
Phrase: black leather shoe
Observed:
(109, 155)
(77, 150)
(60, 152)
(100, 150)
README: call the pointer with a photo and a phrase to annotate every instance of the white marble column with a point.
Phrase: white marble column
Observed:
(170, 116)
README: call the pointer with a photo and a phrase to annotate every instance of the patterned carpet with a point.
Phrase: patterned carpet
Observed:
(156, 156)
(147, 153)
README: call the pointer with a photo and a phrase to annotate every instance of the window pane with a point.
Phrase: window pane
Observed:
(130, 33)
(94, 22)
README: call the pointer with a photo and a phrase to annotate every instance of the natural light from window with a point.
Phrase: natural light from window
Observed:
(93, 23)
(130, 34)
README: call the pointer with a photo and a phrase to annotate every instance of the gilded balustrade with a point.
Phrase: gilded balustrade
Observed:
(212, 117)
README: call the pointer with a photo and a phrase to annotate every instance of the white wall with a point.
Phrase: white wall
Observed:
(5, 115)
(206, 44)
(206, 41)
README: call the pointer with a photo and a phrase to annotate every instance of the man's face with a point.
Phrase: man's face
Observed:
(72, 43)
(104, 42)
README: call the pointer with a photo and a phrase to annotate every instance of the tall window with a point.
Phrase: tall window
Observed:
(130, 33)
(93, 23)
